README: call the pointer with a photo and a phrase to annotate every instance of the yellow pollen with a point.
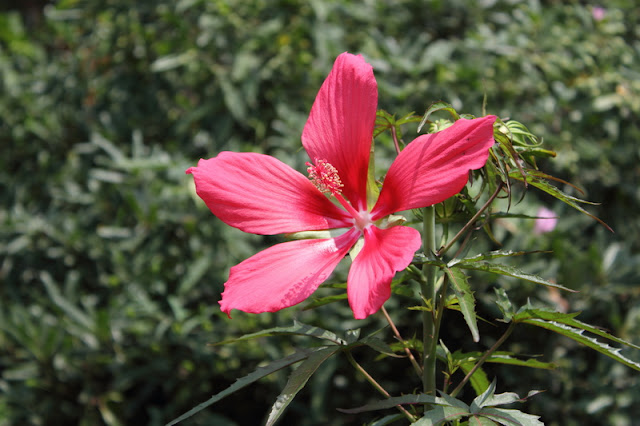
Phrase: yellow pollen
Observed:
(325, 177)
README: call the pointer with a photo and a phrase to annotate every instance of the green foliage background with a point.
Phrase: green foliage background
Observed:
(111, 268)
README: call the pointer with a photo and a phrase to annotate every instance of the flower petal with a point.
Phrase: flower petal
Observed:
(435, 167)
(385, 252)
(340, 125)
(283, 275)
(259, 194)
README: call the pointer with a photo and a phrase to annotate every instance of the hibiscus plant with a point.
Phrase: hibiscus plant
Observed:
(407, 232)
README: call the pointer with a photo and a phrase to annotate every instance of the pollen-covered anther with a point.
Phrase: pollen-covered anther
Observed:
(325, 177)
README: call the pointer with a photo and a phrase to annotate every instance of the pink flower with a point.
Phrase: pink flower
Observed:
(598, 13)
(546, 221)
(259, 194)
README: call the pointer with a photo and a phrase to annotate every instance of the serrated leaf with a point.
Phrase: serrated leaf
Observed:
(297, 329)
(257, 374)
(577, 335)
(479, 380)
(556, 193)
(569, 319)
(297, 380)
(504, 304)
(510, 271)
(467, 302)
(439, 415)
(497, 254)
(393, 401)
(509, 417)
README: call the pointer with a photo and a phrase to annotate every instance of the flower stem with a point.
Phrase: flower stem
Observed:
(428, 288)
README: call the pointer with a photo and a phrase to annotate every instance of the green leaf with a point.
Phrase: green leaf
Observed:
(479, 380)
(569, 319)
(321, 301)
(576, 334)
(380, 346)
(510, 271)
(437, 106)
(439, 415)
(480, 400)
(393, 401)
(467, 302)
(387, 420)
(297, 329)
(535, 178)
(510, 417)
(500, 357)
(297, 380)
(504, 304)
(247, 380)
(480, 421)
(497, 254)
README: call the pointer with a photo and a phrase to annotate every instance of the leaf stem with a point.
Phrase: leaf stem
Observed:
(377, 385)
(483, 358)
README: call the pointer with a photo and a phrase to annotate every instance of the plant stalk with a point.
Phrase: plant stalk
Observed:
(428, 288)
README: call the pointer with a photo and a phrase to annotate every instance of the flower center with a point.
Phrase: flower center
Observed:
(325, 177)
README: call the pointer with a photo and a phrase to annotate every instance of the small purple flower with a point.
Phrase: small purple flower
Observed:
(598, 13)
(546, 221)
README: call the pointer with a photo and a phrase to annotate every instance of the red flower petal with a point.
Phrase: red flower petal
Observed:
(340, 125)
(435, 167)
(259, 194)
(283, 275)
(385, 252)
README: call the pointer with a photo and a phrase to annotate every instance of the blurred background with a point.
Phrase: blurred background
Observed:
(111, 267)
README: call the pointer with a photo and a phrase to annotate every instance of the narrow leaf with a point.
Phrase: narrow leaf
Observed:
(479, 380)
(577, 335)
(467, 302)
(297, 380)
(393, 401)
(297, 329)
(569, 319)
(245, 381)
(556, 193)
(497, 254)
(510, 271)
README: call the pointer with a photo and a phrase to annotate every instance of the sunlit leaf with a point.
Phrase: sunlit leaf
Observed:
(510, 271)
